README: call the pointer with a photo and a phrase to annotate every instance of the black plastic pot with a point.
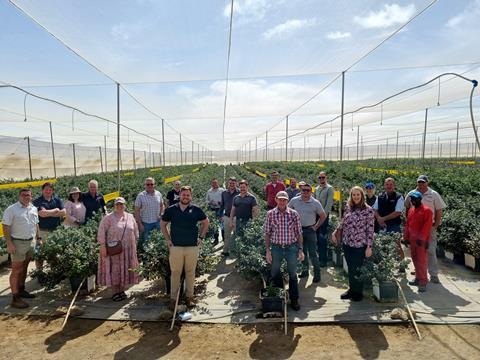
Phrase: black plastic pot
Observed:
(75, 284)
(385, 291)
(271, 303)
(459, 258)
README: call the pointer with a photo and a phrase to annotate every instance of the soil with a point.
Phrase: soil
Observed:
(42, 338)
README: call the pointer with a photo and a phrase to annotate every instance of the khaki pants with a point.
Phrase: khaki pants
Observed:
(432, 254)
(183, 257)
(23, 250)
(228, 233)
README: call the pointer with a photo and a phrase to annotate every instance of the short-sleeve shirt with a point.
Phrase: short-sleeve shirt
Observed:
(93, 204)
(173, 197)
(22, 220)
(184, 224)
(149, 205)
(431, 199)
(308, 210)
(48, 223)
(283, 227)
(244, 206)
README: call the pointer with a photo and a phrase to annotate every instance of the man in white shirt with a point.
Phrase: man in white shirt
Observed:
(434, 201)
(21, 232)
(214, 202)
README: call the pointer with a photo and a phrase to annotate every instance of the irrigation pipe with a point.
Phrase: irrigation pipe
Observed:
(72, 302)
(409, 311)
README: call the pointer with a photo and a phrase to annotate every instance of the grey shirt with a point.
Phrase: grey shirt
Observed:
(308, 210)
(244, 205)
(325, 196)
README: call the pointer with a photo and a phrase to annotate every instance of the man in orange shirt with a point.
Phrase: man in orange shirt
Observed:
(417, 232)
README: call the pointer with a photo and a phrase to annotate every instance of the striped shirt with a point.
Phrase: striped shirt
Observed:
(150, 206)
(284, 227)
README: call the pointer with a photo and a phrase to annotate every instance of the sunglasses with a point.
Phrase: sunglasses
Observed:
(306, 190)
(321, 177)
(150, 184)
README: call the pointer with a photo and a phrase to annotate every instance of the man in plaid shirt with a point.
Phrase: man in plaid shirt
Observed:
(148, 209)
(283, 240)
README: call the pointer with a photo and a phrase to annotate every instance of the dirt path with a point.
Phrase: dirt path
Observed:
(92, 339)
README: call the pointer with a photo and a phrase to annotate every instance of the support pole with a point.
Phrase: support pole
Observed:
(145, 157)
(53, 152)
(256, 148)
(325, 146)
(105, 150)
(181, 150)
(163, 141)
(286, 138)
(118, 137)
(134, 160)
(341, 145)
(396, 148)
(266, 145)
(198, 153)
(192, 152)
(29, 157)
(424, 134)
(358, 139)
(74, 161)
(456, 145)
(249, 150)
(101, 158)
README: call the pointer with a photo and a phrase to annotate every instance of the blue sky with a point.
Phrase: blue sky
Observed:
(172, 56)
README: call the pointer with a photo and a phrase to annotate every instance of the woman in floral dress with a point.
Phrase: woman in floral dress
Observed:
(116, 271)
(357, 229)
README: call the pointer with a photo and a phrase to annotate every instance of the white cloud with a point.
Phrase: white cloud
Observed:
(336, 35)
(119, 31)
(388, 16)
(247, 10)
(287, 28)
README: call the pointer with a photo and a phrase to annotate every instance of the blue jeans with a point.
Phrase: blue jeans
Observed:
(310, 251)
(322, 242)
(290, 255)
(145, 235)
(393, 228)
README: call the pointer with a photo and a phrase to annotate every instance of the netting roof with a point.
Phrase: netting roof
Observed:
(286, 58)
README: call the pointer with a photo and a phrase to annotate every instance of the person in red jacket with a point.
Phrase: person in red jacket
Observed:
(271, 190)
(417, 232)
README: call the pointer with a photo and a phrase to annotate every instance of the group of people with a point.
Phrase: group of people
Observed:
(296, 215)
(295, 229)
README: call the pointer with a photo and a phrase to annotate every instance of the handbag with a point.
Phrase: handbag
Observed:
(116, 247)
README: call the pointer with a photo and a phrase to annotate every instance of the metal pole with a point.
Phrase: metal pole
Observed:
(118, 137)
(256, 148)
(424, 134)
(396, 148)
(266, 145)
(286, 138)
(163, 141)
(198, 153)
(74, 161)
(386, 150)
(145, 157)
(53, 151)
(192, 152)
(249, 150)
(456, 146)
(325, 146)
(101, 158)
(181, 150)
(134, 160)
(304, 148)
(105, 150)
(341, 118)
(358, 139)
(29, 157)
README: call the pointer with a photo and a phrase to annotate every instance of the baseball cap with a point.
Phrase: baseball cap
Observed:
(416, 194)
(302, 183)
(369, 185)
(282, 195)
(422, 178)
(119, 200)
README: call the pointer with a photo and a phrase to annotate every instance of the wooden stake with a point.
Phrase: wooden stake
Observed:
(409, 311)
(176, 306)
(72, 302)
(285, 314)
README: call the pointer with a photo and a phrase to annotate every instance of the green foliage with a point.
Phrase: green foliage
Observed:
(385, 261)
(272, 291)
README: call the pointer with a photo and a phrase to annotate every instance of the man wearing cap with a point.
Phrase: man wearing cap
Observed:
(148, 210)
(271, 189)
(50, 212)
(417, 232)
(93, 200)
(292, 189)
(434, 201)
(184, 241)
(324, 194)
(283, 240)
(388, 207)
(21, 232)
(309, 210)
(370, 199)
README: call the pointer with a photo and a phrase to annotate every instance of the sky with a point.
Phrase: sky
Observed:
(172, 57)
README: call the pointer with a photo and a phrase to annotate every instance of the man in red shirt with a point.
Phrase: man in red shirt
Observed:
(271, 190)
(417, 232)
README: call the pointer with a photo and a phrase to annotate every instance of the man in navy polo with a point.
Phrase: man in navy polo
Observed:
(93, 201)
(184, 241)
(50, 213)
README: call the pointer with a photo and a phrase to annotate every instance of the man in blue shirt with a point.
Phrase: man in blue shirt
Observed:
(93, 201)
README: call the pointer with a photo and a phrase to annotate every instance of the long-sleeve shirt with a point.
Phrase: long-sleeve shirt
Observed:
(419, 223)
(214, 197)
(227, 201)
(271, 191)
(75, 212)
(284, 227)
(358, 227)
(325, 196)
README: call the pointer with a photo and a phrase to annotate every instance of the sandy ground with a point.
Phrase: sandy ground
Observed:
(41, 338)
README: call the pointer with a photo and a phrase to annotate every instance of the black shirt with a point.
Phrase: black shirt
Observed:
(227, 201)
(173, 197)
(183, 227)
(48, 223)
(93, 204)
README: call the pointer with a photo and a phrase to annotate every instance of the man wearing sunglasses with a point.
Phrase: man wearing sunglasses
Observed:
(309, 210)
(148, 209)
(324, 194)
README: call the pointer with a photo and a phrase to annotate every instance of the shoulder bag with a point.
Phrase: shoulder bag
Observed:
(115, 247)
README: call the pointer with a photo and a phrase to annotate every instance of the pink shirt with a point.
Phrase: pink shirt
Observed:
(75, 212)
